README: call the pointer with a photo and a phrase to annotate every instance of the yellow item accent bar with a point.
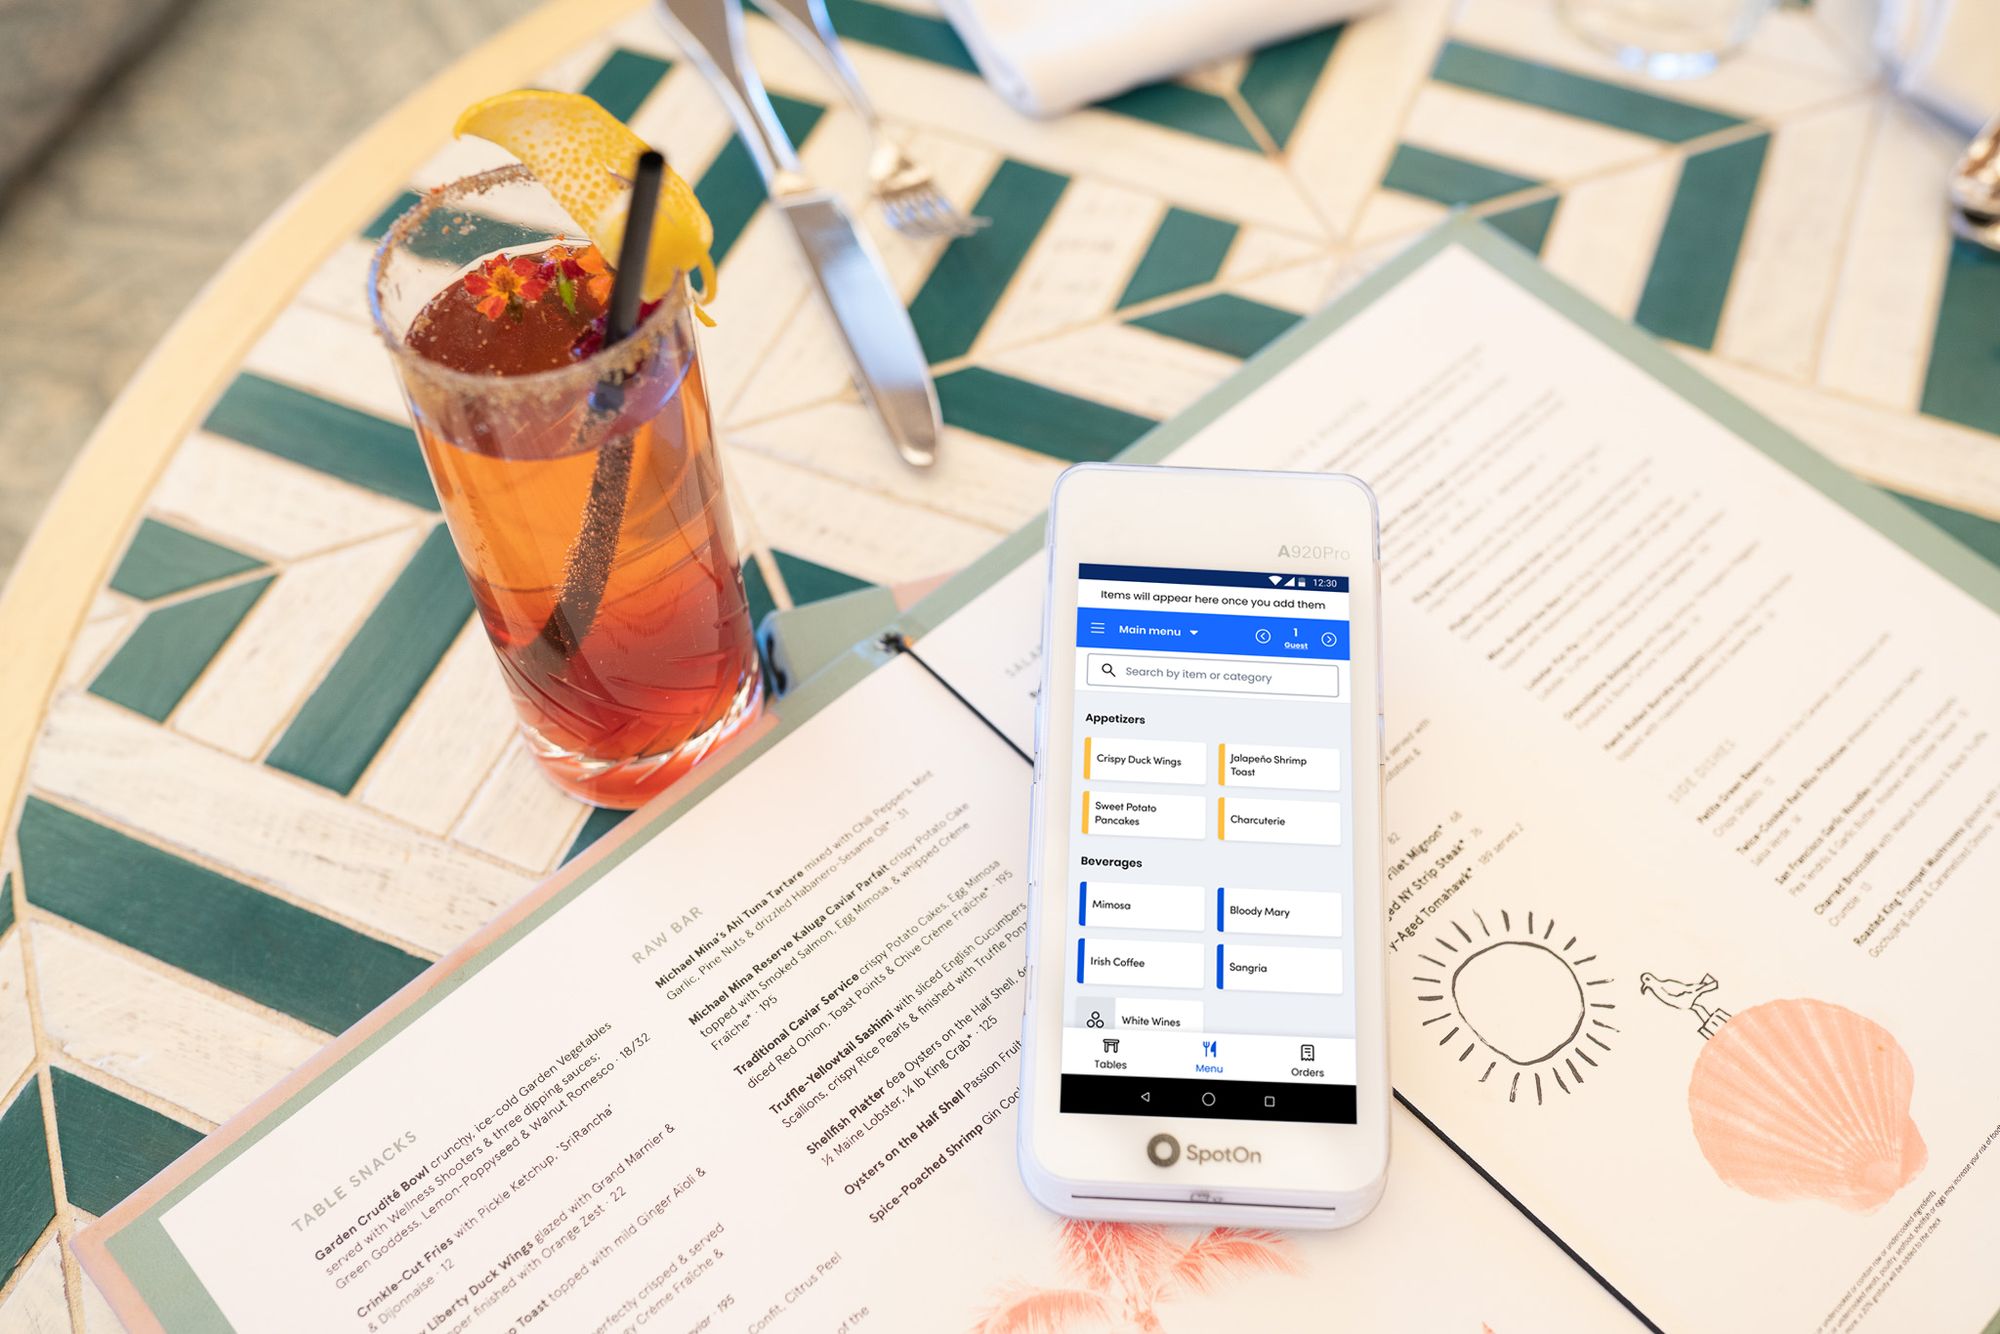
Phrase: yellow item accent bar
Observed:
(1086, 757)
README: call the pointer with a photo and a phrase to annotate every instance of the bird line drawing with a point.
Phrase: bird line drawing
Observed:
(1687, 996)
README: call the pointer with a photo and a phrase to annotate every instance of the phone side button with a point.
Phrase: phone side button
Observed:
(1381, 741)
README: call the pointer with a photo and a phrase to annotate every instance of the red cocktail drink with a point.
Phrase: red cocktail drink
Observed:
(581, 485)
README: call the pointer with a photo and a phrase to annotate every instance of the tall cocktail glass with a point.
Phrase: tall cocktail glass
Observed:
(581, 485)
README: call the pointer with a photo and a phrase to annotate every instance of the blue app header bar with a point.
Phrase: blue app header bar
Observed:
(1201, 632)
(1158, 574)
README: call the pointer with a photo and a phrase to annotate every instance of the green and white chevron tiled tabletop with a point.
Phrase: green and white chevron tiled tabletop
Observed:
(280, 776)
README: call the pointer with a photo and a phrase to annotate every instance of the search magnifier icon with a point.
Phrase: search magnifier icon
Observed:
(1106, 669)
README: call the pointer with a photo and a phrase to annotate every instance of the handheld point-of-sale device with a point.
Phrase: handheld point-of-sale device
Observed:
(1205, 1037)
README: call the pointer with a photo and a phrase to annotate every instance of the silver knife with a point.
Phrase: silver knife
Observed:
(882, 347)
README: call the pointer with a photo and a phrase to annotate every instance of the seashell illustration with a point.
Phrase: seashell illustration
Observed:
(1804, 1099)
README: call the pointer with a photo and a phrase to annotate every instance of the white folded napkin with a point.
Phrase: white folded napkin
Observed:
(1945, 55)
(1050, 56)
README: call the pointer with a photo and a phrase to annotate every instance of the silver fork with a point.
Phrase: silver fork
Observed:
(911, 201)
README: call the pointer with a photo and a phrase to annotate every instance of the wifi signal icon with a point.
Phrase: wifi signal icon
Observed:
(1275, 579)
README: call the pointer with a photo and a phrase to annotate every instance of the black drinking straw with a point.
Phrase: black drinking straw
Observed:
(587, 568)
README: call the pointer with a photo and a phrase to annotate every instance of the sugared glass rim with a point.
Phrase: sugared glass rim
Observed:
(625, 356)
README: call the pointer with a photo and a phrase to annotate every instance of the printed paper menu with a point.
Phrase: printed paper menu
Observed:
(1692, 799)
(760, 1084)
(1692, 794)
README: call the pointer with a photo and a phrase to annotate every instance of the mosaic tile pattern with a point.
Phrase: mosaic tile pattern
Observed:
(280, 775)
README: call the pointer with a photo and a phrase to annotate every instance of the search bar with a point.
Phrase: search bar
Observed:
(1162, 671)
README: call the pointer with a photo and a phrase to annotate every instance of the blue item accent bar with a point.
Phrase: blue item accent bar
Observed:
(1079, 963)
(1200, 632)
(1218, 911)
(1082, 901)
(1154, 574)
(1218, 967)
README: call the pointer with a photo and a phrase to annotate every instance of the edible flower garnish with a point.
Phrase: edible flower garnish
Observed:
(503, 285)
(569, 270)
(583, 155)
(595, 274)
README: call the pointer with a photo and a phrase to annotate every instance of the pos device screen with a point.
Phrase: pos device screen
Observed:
(1209, 897)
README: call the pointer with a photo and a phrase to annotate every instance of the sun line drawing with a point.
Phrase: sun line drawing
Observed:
(1518, 1003)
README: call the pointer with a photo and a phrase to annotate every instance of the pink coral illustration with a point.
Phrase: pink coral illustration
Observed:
(1123, 1273)
(1799, 1099)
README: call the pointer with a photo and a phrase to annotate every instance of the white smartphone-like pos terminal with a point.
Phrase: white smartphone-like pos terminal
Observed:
(1205, 1038)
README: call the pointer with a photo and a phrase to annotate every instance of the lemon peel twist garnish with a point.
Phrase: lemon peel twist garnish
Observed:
(584, 157)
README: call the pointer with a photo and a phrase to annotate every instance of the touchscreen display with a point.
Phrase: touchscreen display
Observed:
(1210, 847)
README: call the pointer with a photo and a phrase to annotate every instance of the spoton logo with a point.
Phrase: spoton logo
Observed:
(1307, 551)
(1163, 1150)
(1235, 1153)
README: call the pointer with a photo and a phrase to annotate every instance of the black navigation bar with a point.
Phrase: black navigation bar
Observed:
(1211, 1099)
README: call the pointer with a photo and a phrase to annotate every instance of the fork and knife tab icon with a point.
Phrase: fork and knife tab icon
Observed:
(883, 352)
